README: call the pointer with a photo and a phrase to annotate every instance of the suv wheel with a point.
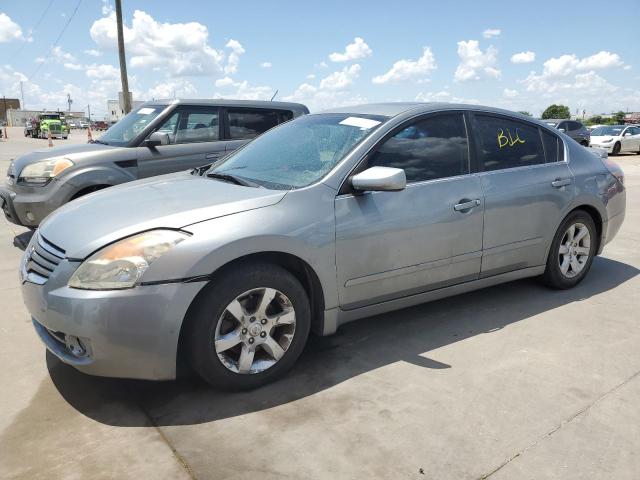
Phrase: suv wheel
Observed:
(572, 251)
(249, 327)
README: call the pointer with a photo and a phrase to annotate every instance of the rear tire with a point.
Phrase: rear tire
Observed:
(240, 292)
(572, 250)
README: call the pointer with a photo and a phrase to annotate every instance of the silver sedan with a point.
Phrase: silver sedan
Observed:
(326, 219)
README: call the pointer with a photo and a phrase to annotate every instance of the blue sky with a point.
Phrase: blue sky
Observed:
(508, 54)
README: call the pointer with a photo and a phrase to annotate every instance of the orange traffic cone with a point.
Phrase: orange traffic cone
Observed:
(50, 140)
(89, 137)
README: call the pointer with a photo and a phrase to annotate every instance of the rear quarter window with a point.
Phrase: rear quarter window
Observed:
(553, 147)
(246, 123)
(505, 143)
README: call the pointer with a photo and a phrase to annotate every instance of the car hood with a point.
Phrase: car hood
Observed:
(72, 152)
(169, 201)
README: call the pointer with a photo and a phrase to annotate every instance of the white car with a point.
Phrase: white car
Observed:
(616, 138)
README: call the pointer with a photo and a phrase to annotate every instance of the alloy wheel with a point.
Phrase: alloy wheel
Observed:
(574, 251)
(255, 331)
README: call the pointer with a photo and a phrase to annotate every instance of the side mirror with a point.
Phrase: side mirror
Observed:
(627, 134)
(156, 139)
(380, 179)
(561, 129)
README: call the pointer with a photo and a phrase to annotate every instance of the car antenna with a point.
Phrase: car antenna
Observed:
(274, 95)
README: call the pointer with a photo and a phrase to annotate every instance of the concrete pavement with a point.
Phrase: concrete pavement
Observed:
(516, 381)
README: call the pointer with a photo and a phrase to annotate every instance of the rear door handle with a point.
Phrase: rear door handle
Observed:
(561, 182)
(460, 207)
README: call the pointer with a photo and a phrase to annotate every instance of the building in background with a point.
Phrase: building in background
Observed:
(7, 104)
(115, 108)
(632, 117)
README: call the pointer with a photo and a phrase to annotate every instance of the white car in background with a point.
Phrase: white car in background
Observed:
(616, 138)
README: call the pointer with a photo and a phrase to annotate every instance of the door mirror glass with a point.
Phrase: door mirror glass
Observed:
(561, 129)
(156, 139)
(626, 134)
(380, 179)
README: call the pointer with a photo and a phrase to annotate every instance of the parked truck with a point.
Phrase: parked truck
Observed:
(46, 123)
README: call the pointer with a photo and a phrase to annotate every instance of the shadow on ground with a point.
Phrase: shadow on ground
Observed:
(407, 335)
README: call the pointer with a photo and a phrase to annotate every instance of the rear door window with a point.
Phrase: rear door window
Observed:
(505, 143)
(248, 123)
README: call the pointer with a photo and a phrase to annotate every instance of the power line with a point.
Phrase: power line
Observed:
(55, 44)
(33, 29)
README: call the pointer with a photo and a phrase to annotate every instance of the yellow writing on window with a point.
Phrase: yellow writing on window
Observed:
(508, 140)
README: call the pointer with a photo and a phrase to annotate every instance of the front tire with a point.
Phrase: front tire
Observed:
(572, 251)
(249, 326)
(616, 149)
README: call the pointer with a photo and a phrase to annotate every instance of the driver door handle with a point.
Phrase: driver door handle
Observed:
(460, 207)
(213, 155)
(561, 182)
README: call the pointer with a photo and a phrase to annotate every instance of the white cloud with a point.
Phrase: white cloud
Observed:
(224, 82)
(171, 89)
(474, 63)
(600, 60)
(509, 93)
(443, 96)
(523, 57)
(178, 49)
(341, 79)
(311, 76)
(266, 65)
(102, 72)
(93, 52)
(627, 67)
(234, 57)
(73, 66)
(333, 90)
(407, 69)
(354, 51)
(9, 30)
(491, 32)
(561, 72)
(107, 8)
(243, 90)
(62, 56)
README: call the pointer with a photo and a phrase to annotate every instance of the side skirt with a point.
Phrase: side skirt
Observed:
(336, 317)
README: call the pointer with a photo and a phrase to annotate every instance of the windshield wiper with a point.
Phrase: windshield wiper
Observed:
(200, 170)
(233, 179)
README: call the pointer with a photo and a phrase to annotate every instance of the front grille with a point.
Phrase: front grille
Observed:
(43, 258)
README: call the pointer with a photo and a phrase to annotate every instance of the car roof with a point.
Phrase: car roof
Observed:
(393, 109)
(558, 120)
(296, 107)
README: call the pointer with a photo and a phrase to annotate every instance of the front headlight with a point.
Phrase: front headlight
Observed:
(121, 264)
(42, 172)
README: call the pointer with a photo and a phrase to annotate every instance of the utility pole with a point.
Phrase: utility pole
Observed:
(123, 60)
(22, 96)
(89, 111)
